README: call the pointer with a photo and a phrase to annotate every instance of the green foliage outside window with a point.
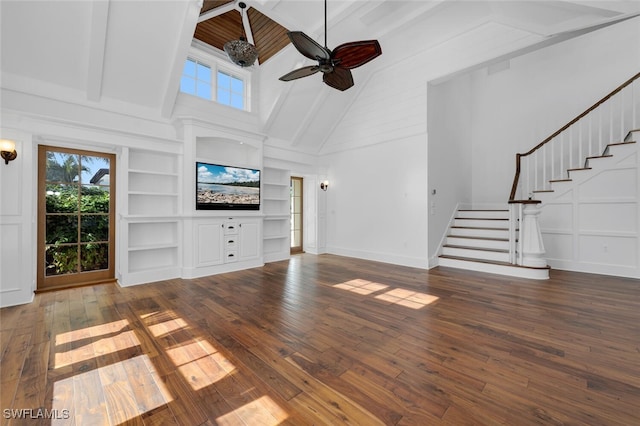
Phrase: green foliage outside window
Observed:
(63, 229)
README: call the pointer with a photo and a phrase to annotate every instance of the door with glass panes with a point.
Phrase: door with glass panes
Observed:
(296, 214)
(76, 212)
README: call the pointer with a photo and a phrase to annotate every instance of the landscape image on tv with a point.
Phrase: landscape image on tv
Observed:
(221, 187)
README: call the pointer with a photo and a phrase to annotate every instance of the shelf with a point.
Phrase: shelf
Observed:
(153, 172)
(153, 247)
(275, 217)
(281, 184)
(161, 194)
(143, 218)
(275, 237)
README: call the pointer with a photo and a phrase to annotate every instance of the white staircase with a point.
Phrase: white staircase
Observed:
(478, 240)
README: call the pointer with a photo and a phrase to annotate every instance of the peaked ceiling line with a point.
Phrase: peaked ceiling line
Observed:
(309, 116)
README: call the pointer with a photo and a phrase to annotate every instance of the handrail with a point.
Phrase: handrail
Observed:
(516, 178)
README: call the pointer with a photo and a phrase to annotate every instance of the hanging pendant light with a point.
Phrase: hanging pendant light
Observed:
(240, 51)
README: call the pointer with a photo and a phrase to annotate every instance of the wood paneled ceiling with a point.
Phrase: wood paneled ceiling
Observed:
(269, 37)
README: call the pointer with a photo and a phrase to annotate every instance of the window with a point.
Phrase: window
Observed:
(230, 90)
(196, 79)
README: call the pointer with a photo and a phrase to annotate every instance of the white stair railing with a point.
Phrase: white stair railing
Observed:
(608, 121)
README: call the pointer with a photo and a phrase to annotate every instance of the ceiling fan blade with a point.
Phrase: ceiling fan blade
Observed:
(308, 46)
(340, 78)
(300, 72)
(352, 55)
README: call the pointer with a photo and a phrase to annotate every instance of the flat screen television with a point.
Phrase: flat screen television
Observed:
(220, 187)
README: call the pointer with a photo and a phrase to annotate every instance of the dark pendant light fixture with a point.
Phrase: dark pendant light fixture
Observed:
(240, 51)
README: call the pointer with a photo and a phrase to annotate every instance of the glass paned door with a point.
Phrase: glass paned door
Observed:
(296, 214)
(76, 211)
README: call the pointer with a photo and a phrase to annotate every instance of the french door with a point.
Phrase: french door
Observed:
(76, 217)
(296, 214)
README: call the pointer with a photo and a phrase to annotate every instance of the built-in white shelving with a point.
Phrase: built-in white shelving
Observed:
(151, 224)
(276, 209)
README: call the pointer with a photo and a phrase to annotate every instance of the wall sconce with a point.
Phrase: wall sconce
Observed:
(324, 185)
(8, 150)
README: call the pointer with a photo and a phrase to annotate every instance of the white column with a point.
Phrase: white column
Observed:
(532, 246)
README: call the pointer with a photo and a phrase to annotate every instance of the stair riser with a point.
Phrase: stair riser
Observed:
(480, 233)
(483, 214)
(479, 223)
(478, 243)
(538, 274)
(475, 254)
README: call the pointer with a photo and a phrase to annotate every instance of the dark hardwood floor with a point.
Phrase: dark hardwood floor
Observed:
(328, 340)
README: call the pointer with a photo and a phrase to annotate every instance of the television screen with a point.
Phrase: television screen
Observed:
(221, 187)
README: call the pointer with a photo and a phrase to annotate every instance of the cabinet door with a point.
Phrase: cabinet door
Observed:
(249, 237)
(210, 238)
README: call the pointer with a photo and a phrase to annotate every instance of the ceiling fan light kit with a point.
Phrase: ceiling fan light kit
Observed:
(240, 51)
(335, 65)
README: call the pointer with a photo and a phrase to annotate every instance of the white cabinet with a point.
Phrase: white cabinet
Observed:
(249, 240)
(277, 211)
(209, 237)
(224, 244)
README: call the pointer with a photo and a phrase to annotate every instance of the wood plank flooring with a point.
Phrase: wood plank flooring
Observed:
(327, 340)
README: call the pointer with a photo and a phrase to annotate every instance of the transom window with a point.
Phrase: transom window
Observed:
(230, 90)
(197, 80)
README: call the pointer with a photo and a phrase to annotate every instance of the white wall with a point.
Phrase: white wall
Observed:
(592, 223)
(450, 159)
(376, 205)
(515, 109)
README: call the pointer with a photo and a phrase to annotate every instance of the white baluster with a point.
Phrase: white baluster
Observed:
(600, 149)
(561, 154)
(580, 142)
(621, 115)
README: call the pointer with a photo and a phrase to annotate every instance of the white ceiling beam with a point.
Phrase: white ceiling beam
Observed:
(180, 56)
(97, 46)
(217, 11)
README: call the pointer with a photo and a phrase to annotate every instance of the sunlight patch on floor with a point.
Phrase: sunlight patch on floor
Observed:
(360, 286)
(112, 394)
(86, 343)
(262, 411)
(410, 299)
(199, 362)
(399, 296)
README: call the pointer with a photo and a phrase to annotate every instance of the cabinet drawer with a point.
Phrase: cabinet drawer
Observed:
(231, 256)
(230, 228)
(231, 242)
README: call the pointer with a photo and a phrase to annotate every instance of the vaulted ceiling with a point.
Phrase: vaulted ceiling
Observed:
(221, 21)
(127, 55)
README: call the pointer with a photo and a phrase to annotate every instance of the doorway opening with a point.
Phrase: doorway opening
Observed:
(76, 217)
(296, 214)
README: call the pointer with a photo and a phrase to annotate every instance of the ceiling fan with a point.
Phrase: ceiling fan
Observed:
(335, 64)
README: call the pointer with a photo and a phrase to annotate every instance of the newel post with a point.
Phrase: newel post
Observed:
(532, 246)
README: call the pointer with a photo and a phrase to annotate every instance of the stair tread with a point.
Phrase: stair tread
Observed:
(579, 168)
(622, 143)
(599, 156)
(491, 262)
(476, 248)
(478, 238)
(561, 180)
(482, 210)
(480, 227)
(480, 218)
(543, 190)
